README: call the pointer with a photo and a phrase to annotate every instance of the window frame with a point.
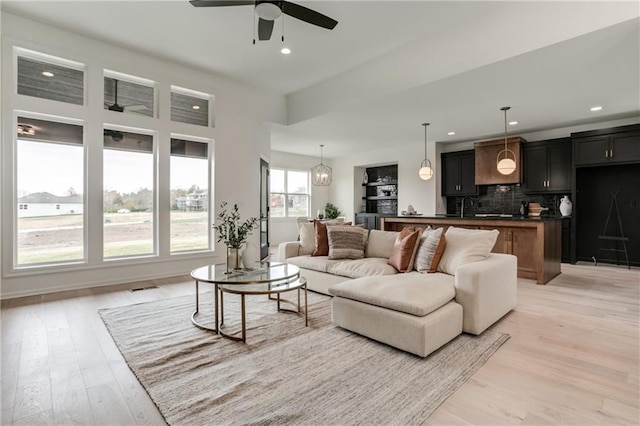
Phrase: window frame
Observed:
(195, 94)
(287, 194)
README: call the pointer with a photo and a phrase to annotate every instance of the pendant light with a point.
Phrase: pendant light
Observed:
(426, 171)
(321, 174)
(505, 164)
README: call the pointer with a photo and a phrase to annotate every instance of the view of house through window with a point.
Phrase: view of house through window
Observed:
(189, 170)
(289, 193)
(128, 203)
(49, 192)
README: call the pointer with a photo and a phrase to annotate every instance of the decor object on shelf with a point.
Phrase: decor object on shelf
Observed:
(321, 175)
(365, 178)
(506, 165)
(566, 207)
(233, 233)
(320, 214)
(535, 209)
(331, 211)
(411, 209)
(426, 171)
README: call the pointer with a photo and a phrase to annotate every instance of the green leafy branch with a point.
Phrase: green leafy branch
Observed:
(230, 231)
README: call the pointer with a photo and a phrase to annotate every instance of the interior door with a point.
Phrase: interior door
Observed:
(264, 209)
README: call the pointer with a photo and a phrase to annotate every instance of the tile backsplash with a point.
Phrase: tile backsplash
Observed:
(503, 199)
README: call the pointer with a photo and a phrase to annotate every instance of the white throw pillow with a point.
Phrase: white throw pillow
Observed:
(307, 238)
(466, 246)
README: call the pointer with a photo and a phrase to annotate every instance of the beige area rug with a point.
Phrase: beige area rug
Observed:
(286, 373)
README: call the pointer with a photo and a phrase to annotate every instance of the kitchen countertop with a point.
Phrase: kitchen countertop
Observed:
(519, 218)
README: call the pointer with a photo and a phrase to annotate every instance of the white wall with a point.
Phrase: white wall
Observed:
(286, 229)
(241, 137)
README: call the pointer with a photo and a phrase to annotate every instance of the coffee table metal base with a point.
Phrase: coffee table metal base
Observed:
(194, 316)
(243, 336)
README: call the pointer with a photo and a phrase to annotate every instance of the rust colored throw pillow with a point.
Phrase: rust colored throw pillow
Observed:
(322, 240)
(430, 249)
(404, 249)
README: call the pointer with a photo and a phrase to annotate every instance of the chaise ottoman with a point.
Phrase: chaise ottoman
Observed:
(413, 312)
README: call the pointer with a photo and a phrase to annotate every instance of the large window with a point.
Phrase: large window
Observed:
(289, 193)
(49, 189)
(128, 207)
(189, 195)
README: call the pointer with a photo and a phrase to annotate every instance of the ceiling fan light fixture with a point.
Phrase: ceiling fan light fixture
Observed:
(506, 159)
(426, 170)
(268, 11)
(321, 175)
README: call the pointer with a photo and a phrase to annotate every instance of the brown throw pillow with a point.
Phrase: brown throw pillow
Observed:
(430, 249)
(322, 240)
(404, 249)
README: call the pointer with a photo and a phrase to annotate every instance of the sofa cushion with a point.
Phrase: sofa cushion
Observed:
(466, 246)
(321, 247)
(430, 250)
(380, 243)
(404, 250)
(361, 267)
(307, 238)
(346, 242)
(412, 293)
(315, 263)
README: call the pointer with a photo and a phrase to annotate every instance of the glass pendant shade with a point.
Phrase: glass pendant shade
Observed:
(505, 164)
(426, 171)
(321, 175)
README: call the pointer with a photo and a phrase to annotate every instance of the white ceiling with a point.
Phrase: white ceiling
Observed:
(390, 65)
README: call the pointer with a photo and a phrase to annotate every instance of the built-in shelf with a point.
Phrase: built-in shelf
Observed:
(391, 182)
(381, 197)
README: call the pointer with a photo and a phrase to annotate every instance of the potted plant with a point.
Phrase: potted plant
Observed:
(233, 233)
(331, 211)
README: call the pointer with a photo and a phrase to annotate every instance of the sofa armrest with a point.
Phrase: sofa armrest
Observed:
(288, 249)
(487, 290)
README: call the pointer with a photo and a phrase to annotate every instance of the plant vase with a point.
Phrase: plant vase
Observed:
(233, 259)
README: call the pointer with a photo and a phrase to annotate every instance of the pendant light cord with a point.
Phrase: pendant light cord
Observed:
(505, 109)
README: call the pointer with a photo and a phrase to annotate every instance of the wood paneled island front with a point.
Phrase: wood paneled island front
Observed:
(535, 242)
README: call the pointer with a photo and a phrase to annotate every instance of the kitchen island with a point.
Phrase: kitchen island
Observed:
(535, 241)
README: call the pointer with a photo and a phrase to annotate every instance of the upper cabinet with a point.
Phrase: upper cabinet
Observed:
(547, 166)
(487, 159)
(618, 145)
(458, 173)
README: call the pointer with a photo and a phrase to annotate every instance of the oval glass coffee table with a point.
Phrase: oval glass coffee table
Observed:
(270, 278)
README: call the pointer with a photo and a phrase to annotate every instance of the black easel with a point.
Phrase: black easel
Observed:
(622, 239)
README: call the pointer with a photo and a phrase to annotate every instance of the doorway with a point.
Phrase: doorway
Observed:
(264, 209)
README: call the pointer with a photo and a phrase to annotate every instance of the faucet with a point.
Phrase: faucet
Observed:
(462, 204)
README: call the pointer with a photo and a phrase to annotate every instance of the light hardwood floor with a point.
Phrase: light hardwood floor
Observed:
(573, 357)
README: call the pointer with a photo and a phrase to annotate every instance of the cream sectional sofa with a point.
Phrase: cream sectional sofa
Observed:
(412, 311)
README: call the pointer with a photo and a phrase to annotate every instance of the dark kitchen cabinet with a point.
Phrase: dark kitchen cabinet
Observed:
(619, 145)
(369, 220)
(547, 166)
(458, 173)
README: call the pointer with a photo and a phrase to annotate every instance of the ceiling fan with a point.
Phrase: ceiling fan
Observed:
(268, 11)
(115, 135)
(122, 108)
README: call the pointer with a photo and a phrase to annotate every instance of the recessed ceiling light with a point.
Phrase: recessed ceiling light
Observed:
(513, 123)
(196, 107)
(595, 108)
(47, 73)
(285, 51)
(451, 133)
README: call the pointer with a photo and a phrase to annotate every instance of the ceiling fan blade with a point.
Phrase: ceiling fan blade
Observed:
(307, 15)
(135, 108)
(216, 3)
(265, 28)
